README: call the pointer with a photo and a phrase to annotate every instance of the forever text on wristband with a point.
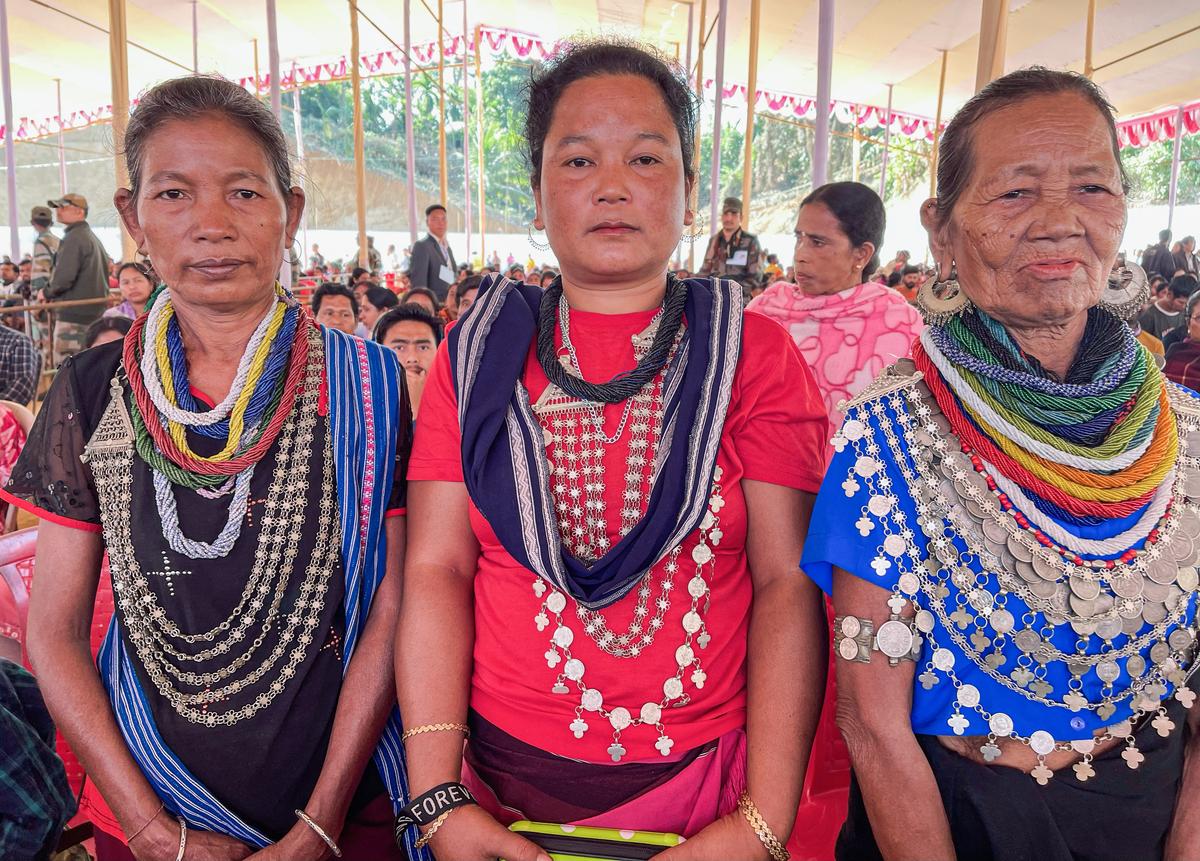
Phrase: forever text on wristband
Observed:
(428, 807)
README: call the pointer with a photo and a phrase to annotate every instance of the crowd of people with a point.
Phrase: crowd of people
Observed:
(466, 565)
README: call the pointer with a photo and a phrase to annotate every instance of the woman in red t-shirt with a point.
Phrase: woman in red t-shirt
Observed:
(602, 577)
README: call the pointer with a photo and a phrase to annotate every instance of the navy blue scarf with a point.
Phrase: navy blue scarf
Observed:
(505, 467)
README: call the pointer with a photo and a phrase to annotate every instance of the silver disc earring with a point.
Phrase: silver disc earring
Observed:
(1126, 292)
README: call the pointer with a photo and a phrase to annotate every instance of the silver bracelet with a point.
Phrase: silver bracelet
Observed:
(182, 839)
(855, 639)
(320, 832)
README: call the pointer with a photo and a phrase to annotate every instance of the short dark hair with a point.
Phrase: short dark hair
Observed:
(115, 323)
(421, 291)
(473, 282)
(591, 59)
(41, 222)
(404, 313)
(956, 160)
(859, 213)
(381, 297)
(331, 288)
(1183, 285)
(358, 272)
(1164, 235)
(187, 98)
(433, 207)
(893, 280)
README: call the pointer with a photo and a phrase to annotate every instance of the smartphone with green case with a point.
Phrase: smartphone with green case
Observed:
(587, 843)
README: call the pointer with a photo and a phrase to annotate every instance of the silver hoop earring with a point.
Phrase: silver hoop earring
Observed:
(1126, 292)
(540, 246)
(690, 238)
(941, 301)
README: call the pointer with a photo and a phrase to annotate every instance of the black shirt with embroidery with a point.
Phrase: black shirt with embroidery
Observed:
(264, 767)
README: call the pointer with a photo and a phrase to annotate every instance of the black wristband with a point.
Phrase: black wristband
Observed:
(431, 805)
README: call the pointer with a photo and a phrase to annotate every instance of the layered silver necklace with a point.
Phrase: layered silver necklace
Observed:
(982, 580)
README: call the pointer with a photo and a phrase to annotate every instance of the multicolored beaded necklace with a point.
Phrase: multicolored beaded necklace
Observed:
(269, 380)
(1095, 446)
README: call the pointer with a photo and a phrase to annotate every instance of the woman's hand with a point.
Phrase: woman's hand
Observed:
(299, 844)
(470, 834)
(729, 837)
(160, 842)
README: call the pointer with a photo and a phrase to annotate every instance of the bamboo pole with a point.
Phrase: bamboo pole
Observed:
(62, 150)
(442, 178)
(714, 191)
(887, 145)
(466, 150)
(993, 36)
(1176, 152)
(118, 54)
(410, 157)
(479, 120)
(937, 127)
(751, 101)
(195, 40)
(820, 165)
(701, 36)
(256, 75)
(1089, 40)
(360, 158)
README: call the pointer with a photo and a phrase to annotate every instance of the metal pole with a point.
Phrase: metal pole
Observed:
(410, 157)
(699, 83)
(195, 40)
(62, 150)
(1090, 39)
(820, 166)
(887, 141)
(273, 60)
(479, 142)
(441, 48)
(714, 199)
(296, 125)
(1175, 153)
(993, 35)
(466, 94)
(751, 99)
(118, 52)
(691, 36)
(360, 161)
(10, 133)
(285, 268)
(937, 127)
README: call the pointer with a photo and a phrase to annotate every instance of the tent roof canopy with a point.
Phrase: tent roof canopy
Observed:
(878, 42)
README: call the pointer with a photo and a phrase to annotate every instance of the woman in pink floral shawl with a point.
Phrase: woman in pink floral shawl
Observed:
(848, 328)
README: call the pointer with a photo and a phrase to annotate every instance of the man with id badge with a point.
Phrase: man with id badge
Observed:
(733, 253)
(433, 263)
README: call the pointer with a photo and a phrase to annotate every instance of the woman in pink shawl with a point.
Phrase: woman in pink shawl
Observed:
(848, 328)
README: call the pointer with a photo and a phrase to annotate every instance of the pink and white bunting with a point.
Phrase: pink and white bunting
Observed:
(498, 42)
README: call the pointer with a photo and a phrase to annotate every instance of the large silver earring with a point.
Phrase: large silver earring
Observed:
(540, 246)
(1126, 292)
(941, 301)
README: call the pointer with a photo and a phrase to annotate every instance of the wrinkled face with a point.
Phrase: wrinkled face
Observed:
(210, 214)
(436, 222)
(826, 261)
(337, 313)
(412, 342)
(1037, 228)
(612, 196)
(731, 220)
(135, 287)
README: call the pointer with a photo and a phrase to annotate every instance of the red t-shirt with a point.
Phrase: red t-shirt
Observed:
(775, 432)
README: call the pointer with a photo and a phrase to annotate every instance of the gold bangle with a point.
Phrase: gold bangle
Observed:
(424, 839)
(777, 850)
(146, 824)
(436, 727)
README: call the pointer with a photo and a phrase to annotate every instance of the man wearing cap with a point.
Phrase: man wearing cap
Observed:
(433, 263)
(732, 253)
(80, 272)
